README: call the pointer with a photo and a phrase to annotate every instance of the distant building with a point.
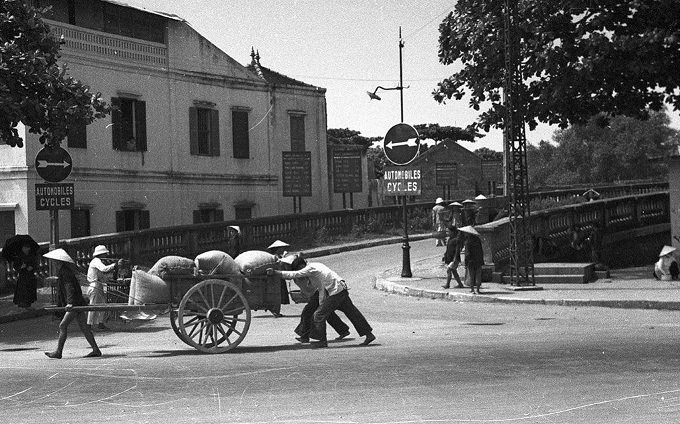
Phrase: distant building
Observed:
(450, 171)
(194, 136)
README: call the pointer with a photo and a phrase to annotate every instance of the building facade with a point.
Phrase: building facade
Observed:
(193, 136)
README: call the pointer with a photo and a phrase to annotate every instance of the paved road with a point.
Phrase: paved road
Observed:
(434, 362)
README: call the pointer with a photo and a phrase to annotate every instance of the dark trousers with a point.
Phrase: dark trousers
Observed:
(306, 318)
(340, 302)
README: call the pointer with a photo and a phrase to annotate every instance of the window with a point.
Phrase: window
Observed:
(297, 133)
(80, 223)
(77, 136)
(7, 225)
(132, 219)
(243, 211)
(128, 118)
(239, 128)
(133, 23)
(204, 131)
(204, 215)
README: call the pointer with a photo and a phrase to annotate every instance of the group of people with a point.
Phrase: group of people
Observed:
(461, 238)
(326, 293)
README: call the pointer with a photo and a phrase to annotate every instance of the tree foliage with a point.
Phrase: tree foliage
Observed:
(578, 58)
(438, 133)
(347, 136)
(487, 154)
(34, 89)
(626, 149)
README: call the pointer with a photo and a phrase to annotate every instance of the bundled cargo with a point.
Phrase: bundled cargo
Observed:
(173, 265)
(255, 262)
(216, 262)
(146, 288)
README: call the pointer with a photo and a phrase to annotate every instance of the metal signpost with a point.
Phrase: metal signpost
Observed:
(401, 146)
(347, 176)
(54, 164)
(297, 177)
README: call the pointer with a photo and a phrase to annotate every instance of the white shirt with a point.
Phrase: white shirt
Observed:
(321, 277)
(96, 270)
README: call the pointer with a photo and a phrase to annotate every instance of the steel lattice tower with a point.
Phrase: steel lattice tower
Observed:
(515, 146)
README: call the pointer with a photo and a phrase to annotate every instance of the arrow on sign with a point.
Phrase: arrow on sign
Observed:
(411, 142)
(45, 164)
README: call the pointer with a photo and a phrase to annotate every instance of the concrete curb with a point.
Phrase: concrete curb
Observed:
(392, 287)
(24, 315)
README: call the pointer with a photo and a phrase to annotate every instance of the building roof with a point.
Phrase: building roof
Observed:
(272, 77)
(163, 14)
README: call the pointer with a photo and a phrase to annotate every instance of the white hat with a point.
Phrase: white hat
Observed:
(100, 250)
(666, 250)
(278, 243)
(59, 255)
(235, 227)
(470, 230)
(289, 259)
(480, 197)
(468, 201)
(439, 200)
(460, 205)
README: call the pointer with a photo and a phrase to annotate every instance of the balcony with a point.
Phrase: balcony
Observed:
(83, 41)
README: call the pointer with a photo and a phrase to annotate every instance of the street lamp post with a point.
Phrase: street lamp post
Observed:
(406, 254)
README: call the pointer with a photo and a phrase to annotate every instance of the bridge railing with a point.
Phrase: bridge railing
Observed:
(147, 246)
(557, 225)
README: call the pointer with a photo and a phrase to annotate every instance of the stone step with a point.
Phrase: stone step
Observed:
(560, 268)
(554, 279)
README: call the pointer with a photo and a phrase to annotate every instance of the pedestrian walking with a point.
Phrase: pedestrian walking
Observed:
(454, 245)
(96, 276)
(439, 217)
(666, 268)
(456, 216)
(22, 252)
(234, 243)
(69, 294)
(474, 257)
(333, 295)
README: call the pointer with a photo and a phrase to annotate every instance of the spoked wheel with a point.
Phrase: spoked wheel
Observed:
(213, 316)
(174, 323)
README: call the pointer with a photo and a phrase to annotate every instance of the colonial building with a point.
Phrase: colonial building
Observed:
(194, 136)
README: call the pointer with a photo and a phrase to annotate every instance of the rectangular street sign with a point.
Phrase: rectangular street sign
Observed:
(347, 171)
(446, 173)
(54, 196)
(297, 174)
(401, 181)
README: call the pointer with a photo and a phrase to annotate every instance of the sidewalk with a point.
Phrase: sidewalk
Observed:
(632, 288)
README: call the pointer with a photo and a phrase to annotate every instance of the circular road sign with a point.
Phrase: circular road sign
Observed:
(53, 164)
(401, 144)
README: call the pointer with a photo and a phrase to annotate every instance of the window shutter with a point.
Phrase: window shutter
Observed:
(116, 122)
(215, 132)
(219, 215)
(240, 134)
(77, 136)
(297, 133)
(144, 220)
(120, 221)
(193, 133)
(140, 124)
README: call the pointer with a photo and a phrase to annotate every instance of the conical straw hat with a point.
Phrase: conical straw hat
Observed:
(470, 230)
(59, 255)
(666, 250)
(278, 243)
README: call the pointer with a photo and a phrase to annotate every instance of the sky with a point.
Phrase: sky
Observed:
(348, 47)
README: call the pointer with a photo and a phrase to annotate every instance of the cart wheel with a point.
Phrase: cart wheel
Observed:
(213, 316)
(174, 323)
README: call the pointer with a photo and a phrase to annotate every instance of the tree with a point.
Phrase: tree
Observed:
(487, 154)
(438, 133)
(34, 89)
(578, 58)
(347, 136)
(625, 149)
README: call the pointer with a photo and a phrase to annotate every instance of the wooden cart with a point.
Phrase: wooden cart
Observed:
(211, 313)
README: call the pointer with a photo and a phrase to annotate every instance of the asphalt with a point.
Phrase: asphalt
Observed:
(631, 288)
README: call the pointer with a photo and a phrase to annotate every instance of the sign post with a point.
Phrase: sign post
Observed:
(401, 146)
(297, 177)
(347, 176)
(53, 164)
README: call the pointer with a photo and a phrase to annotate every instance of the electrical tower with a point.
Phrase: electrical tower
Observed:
(515, 149)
